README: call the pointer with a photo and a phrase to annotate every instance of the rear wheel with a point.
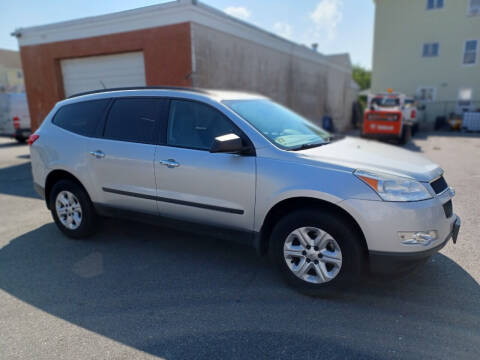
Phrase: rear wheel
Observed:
(406, 134)
(72, 209)
(414, 129)
(317, 252)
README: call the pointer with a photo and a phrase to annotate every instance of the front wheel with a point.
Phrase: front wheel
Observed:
(72, 209)
(317, 252)
(406, 135)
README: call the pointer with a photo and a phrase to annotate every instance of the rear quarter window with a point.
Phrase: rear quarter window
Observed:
(81, 118)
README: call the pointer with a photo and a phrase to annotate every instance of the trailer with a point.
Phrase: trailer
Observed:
(14, 116)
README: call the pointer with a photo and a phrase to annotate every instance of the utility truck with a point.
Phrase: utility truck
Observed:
(390, 116)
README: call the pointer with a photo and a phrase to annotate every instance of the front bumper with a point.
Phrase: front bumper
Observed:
(381, 221)
(394, 262)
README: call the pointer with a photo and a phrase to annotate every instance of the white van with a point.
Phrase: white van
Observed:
(14, 116)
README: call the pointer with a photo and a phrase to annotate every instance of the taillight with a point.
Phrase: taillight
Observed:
(16, 122)
(413, 115)
(32, 138)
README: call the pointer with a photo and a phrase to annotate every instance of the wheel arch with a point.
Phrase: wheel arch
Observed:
(56, 175)
(262, 242)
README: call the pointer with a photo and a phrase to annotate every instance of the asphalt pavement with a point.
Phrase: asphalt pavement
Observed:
(137, 291)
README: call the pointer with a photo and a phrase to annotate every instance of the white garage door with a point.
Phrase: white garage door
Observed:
(99, 72)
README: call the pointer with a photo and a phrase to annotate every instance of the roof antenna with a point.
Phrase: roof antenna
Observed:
(102, 83)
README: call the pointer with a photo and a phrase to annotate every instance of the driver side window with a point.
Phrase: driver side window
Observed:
(195, 125)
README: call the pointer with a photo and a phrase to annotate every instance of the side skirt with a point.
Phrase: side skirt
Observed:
(223, 233)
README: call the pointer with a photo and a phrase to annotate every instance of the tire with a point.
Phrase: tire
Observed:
(406, 135)
(20, 140)
(83, 223)
(415, 129)
(335, 227)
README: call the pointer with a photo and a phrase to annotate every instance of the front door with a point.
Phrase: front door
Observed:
(196, 185)
(122, 160)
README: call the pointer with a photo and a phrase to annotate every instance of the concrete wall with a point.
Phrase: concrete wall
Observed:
(166, 52)
(311, 88)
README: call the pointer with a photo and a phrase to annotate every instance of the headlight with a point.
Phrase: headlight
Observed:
(394, 188)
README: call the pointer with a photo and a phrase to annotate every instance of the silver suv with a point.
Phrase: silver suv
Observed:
(325, 208)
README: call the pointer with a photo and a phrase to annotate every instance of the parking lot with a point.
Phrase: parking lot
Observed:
(139, 291)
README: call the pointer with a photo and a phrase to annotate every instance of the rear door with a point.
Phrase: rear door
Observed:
(196, 185)
(5, 126)
(20, 115)
(121, 160)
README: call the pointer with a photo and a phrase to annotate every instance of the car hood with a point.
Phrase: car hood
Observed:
(371, 155)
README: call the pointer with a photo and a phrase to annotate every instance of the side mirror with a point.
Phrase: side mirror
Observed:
(229, 143)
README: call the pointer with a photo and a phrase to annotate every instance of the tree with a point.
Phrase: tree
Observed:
(362, 77)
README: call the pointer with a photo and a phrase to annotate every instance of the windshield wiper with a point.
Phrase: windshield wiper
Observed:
(309, 146)
(336, 137)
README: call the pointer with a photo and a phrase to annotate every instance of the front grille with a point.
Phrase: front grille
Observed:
(448, 208)
(439, 185)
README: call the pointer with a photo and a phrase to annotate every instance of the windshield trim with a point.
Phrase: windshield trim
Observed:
(309, 146)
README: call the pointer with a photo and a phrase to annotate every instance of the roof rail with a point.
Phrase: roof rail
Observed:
(99, 91)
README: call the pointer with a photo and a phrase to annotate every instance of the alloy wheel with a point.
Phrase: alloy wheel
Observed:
(312, 255)
(69, 210)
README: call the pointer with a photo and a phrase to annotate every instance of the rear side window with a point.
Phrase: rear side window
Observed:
(133, 120)
(81, 118)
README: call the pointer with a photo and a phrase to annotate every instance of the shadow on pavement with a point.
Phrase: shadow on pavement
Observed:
(180, 296)
(17, 180)
(449, 134)
(423, 135)
(456, 134)
(412, 146)
(12, 143)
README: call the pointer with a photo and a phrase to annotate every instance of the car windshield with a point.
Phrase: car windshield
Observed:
(281, 126)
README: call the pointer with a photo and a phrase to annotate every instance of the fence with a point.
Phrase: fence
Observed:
(429, 112)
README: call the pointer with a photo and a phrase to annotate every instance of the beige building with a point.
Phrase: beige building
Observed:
(11, 75)
(429, 49)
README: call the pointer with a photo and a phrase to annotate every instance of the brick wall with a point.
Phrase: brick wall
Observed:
(166, 51)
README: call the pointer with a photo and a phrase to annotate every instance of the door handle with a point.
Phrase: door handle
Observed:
(98, 154)
(170, 163)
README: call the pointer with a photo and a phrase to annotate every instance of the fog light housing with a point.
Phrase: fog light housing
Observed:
(423, 238)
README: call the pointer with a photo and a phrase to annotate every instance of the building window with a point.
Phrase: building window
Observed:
(426, 94)
(19, 75)
(465, 96)
(430, 50)
(434, 4)
(474, 7)
(470, 52)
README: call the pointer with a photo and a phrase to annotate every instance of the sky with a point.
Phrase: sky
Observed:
(337, 26)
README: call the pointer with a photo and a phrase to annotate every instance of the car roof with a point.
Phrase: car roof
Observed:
(166, 91)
